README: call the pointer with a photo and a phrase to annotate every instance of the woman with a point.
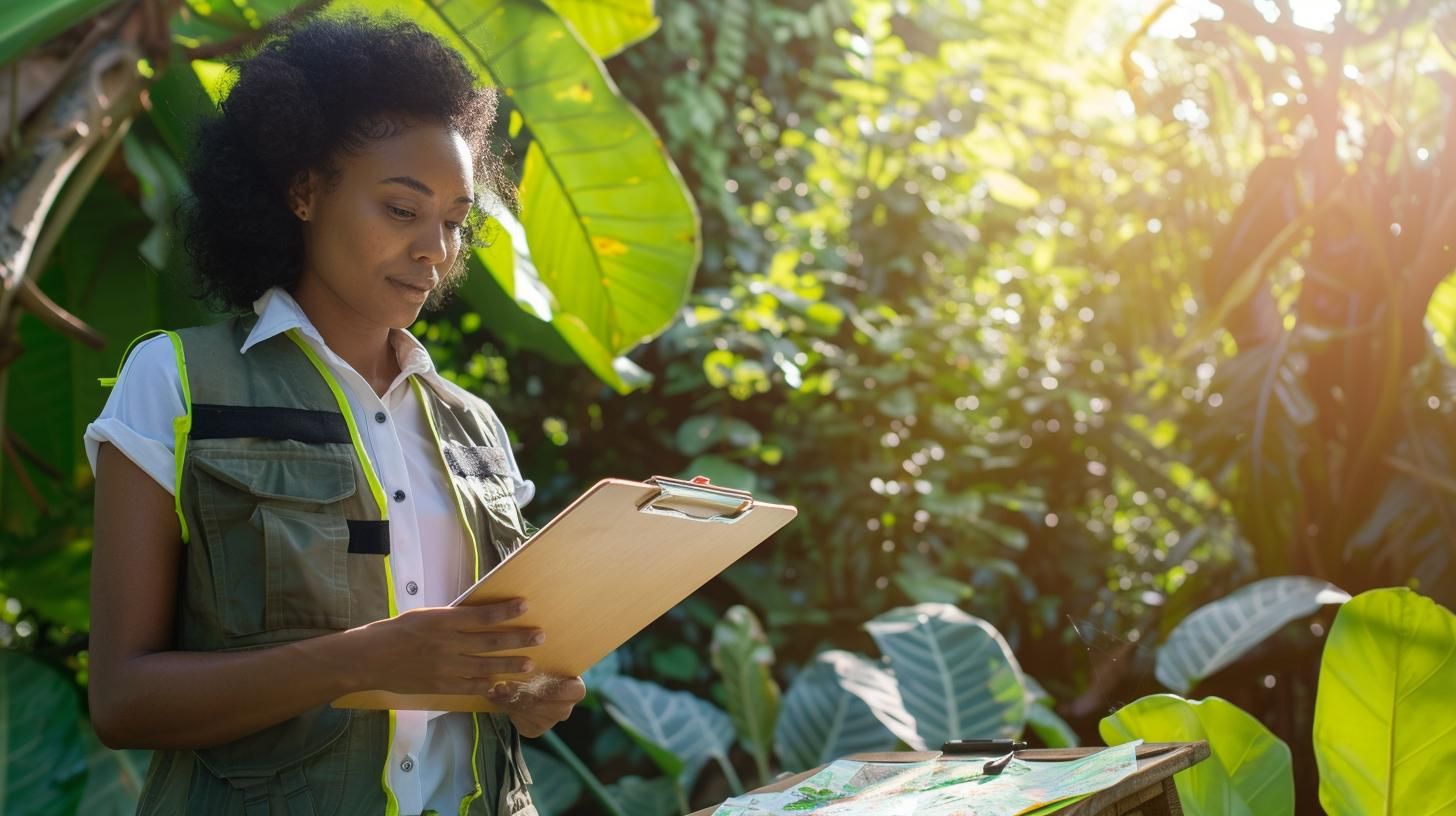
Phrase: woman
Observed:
(287, 500)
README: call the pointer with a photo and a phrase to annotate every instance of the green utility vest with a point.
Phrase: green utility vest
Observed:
(286, 537)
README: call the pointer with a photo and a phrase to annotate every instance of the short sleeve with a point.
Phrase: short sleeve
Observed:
(525, 488)
(137, 417)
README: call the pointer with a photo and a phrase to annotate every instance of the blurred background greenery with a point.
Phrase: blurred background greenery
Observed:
(1077, 315)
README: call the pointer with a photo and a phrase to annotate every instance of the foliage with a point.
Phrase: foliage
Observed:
(1218, 634)
(1385, 678)
(1384, 706)
(1249, 771)
(42, 775)
(1073, 324)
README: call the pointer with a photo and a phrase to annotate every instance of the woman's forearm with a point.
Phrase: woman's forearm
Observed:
(181, 700)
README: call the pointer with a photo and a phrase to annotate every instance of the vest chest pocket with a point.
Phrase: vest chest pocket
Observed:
(277, 538)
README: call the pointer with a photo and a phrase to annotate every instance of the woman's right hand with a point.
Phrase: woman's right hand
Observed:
(445, 649)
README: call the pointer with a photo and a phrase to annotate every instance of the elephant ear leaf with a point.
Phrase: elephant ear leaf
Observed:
(1249, 773)
(609, 26)
(744, 659)
(1221, 632)
(44, 749)
(955, 672)
(680, 732)
(1383, 727)
(821, 721)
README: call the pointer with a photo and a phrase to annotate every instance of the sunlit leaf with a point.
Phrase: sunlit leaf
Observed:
(608, 26)
(1382, 718)
(1249, 773)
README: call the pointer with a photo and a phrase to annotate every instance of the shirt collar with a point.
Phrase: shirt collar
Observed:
(278, 312)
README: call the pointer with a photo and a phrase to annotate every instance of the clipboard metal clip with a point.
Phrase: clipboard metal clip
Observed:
(683, 499)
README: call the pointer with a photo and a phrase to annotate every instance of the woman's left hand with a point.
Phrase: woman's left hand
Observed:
(537, 706)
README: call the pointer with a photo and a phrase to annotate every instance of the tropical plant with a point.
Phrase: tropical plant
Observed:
(945, 675)
(1381, 718)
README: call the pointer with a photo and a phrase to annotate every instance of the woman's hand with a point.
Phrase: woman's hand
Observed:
(444, 649)
(540, 703)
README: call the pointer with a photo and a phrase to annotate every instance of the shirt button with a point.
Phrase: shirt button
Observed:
(379, 416)
(412, 588)
(407, 765)
(399, 495)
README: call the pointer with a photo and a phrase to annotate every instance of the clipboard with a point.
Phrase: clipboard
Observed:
(615, 560)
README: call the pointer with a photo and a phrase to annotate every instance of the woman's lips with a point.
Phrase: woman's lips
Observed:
(417, 293)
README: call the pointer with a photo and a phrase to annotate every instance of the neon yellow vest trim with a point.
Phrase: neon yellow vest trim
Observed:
(181, 425)
(391, 806)
(475, 552)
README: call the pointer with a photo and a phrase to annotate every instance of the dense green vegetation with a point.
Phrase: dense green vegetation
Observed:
(1091, 331)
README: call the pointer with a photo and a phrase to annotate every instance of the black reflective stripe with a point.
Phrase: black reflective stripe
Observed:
(234, 421)
(369, 537)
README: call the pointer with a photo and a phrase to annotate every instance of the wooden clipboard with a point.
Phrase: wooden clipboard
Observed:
(616, 559)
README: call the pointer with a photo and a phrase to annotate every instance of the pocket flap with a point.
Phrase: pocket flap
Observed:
(311, 479)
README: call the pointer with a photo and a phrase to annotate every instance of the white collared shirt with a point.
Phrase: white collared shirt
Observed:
(429, 553)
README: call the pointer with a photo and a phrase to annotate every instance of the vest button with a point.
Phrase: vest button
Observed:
(399, 495)
(412, 588)
(407, 765)
(379, 416)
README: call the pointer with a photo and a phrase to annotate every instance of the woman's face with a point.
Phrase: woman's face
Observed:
(383, 240)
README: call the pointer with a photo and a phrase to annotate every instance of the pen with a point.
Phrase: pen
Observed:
(982, 746)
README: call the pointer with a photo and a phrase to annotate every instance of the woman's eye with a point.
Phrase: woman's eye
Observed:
(398, 211)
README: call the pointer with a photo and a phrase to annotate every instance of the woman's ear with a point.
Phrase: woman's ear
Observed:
(301, 195)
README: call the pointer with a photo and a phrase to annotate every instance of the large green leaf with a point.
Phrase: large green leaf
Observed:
(1383, 721)
(645, 797)
(1249, 773)
(679, 731)
(609, 26)
(509, 322)
(114, 782)
(161, 182)
(875, 686)
(42, 752)
(610, 227)
(1219, 633)
(956, 673)
(504, 284)
(744, 659)
(820, 721)
(179, 99)
(24, 25)
(554, 787)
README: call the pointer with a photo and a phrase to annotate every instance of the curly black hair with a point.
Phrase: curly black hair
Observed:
(323, 86)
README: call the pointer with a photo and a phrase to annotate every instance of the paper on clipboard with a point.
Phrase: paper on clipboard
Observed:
(616, 559)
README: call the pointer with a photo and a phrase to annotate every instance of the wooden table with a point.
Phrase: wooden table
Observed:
(1149, 791)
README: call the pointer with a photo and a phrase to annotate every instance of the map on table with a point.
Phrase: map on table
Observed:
(944, 787)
